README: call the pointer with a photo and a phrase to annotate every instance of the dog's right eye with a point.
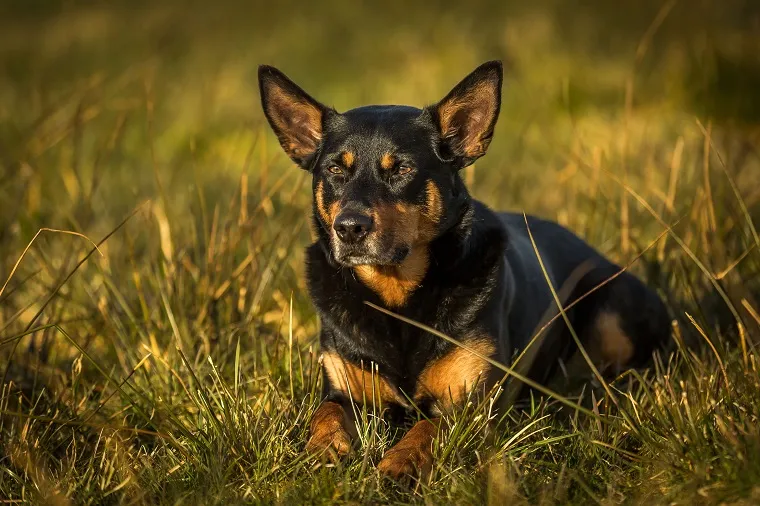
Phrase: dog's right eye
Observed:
(334, 169)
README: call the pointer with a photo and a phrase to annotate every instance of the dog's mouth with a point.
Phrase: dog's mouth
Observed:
(393, 256)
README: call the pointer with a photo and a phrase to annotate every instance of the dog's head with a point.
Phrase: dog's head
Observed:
(385, 178)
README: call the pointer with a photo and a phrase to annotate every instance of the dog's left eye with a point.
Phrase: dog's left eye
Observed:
(404, 169)
(334, 169)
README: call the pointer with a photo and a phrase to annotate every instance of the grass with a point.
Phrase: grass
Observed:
(177, 362)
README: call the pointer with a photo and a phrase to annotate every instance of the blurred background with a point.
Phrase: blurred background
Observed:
(576, 72)
(105, 106)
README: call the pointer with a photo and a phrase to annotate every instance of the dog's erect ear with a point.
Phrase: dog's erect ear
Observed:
(466, 117)
(295, 117)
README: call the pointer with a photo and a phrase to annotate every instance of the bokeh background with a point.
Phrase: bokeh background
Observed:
(584, 72)
(104, 105)
(111, 106)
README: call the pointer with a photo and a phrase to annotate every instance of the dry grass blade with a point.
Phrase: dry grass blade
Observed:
(570, 328)
(29, 245)
(681, 244)
(63, 282)
(732, 182)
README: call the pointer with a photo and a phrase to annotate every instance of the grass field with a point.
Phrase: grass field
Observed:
(157, 345)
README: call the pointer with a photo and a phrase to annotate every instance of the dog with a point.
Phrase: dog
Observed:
(396, 227)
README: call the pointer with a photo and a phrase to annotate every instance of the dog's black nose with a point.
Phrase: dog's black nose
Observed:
(352, 226)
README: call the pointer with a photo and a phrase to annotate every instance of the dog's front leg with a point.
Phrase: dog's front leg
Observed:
(413, 455)
(329, 431)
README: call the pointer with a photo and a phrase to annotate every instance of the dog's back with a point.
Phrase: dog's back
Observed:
(614, 314)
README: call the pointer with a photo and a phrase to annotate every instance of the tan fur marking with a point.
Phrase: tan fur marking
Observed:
(327, 215)
(333, 211)
(413, 455)
(358, 382)
(615, 347)
(450, 378)
(329, 430)
(434, 207)
(608, 348)
(348, 159)
(394, 283)
(299, 123)
(481, 100)
(411, 226)
(319, 197)
(387, 161)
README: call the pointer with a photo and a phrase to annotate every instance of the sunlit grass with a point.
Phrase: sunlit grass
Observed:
(181, 366)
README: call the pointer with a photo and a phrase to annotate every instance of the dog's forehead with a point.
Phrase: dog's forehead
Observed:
(374, 130)
(379, 114)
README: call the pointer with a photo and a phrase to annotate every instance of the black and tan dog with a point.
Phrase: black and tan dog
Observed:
(397, 227)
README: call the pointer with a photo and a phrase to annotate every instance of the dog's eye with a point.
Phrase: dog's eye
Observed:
(404, 169)
(334, 169)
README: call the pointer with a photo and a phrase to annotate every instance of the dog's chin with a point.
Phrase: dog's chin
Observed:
(357, 260)
(390, 258)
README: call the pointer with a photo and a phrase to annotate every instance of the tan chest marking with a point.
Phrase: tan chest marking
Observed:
(452, 377)
(413, 226)
(394, 284)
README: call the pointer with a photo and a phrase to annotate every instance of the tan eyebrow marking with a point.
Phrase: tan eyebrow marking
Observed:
(348, 158)
(387, 161)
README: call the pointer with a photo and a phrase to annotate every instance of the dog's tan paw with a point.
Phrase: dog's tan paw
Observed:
(329, 436)
(403, 461)
(413, 455)
(334, 444)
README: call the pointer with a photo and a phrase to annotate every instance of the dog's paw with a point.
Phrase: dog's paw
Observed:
(329, 437)
(406, 461)
(334, 444)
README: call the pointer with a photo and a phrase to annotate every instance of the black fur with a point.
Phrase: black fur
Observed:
(483, 276)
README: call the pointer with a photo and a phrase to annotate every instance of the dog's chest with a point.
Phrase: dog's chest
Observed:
(417, 366)
(400, 351)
